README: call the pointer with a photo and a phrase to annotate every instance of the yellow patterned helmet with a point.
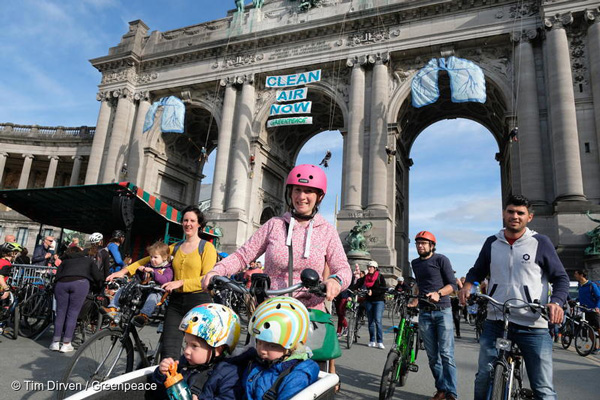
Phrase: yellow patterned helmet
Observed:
(215, 323)
(281, 320)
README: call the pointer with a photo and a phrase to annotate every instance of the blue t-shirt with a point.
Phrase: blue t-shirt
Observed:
(433, 274)
(589, 295)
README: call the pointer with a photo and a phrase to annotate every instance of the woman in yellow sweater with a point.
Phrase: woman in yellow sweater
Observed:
(192, 259)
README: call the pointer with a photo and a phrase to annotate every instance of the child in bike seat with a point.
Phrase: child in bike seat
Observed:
(159, 271)
(211, 333)
(279, 366)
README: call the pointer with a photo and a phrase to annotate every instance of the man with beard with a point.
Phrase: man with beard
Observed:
(521, 264)
(436, 281)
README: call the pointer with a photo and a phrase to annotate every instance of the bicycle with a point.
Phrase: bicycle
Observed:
(356, 316)
(9, 314)
(110, 352)
(507, 381)
(37, 310)
(585, 335)
(403, 354)
(571, 325)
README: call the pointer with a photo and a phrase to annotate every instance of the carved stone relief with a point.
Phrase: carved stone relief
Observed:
(578, 61)
(371, 37)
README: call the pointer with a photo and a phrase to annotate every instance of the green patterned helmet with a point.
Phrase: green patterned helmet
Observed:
(215, 323)
(280, 320)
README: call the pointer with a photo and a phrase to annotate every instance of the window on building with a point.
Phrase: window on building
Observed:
(22, 235)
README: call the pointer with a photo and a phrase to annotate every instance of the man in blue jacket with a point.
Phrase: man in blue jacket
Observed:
(589, 297)
(521, 264)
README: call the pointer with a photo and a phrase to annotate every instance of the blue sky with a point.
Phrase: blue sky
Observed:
(47, 80)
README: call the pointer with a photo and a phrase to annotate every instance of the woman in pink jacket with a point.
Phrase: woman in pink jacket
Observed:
(315, 242)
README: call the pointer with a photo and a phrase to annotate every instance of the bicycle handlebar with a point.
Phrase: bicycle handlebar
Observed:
(506, 306)
(218, 282)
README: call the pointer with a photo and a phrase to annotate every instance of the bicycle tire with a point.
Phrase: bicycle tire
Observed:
(499, 383)
(585, 340)
(16, 317)
(388, 377)
(36, 314)
(92, 361)
(352, 324)
(566, 335)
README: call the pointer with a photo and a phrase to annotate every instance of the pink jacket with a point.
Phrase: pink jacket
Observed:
(313, 246)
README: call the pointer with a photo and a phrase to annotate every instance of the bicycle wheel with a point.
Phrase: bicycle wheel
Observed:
(499, 383)
(36, 314)
(584, 340)
(566, 335)
(16, 317)
(100, 358)
(388, 378)
(352, 325)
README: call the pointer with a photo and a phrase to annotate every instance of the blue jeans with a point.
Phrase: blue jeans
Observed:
(536, 347)
(374, 315)
(149, 305)
(437, 330)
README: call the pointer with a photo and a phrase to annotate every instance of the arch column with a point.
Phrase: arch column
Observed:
(352, 188)
(3, 157)
(377, 195)
(217, 196)
(92, 175)
(24, 178)
(117, 137)
(528, 120)
(76, 170)
(237, 181)
(51, 176)
(563, 119)
(593, 34)
(136, 148)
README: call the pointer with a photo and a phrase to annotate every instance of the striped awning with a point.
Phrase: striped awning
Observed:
(95, 208)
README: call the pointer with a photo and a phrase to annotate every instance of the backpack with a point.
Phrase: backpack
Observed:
(200, 247)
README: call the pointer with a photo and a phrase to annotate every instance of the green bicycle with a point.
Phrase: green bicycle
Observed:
(403, 354)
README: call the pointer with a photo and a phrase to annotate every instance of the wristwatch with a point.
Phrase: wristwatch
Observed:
(439, 292)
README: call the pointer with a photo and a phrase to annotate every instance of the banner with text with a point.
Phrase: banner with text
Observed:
(289, 121)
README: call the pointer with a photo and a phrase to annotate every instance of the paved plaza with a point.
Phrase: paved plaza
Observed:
(360, 367)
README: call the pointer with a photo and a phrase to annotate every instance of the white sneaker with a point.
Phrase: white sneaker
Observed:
(372, 344)
(380, 346)
(54, 346)
(65, 348)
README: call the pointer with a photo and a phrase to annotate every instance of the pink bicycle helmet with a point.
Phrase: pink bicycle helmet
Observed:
(308, 175)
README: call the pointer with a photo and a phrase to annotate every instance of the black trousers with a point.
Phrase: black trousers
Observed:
(179, 305)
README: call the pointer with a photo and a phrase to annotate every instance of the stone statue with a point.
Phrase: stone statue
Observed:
(594, 248)
(258, 3)
(356, 238)
(240, 5)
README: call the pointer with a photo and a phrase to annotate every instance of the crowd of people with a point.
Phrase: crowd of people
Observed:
(277, 361)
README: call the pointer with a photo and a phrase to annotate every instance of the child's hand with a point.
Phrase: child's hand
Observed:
(164, 365)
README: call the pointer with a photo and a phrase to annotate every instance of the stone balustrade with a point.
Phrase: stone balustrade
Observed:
(47, 131)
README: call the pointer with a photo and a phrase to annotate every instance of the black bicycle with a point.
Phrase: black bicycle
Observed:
(356, 316)
(36, 309)
(9, 315)
(507, 382)
(110, 352)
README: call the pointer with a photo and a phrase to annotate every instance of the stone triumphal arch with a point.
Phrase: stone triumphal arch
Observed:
(540, 60)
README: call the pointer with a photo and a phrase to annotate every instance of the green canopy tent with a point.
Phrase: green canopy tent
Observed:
(100, 208)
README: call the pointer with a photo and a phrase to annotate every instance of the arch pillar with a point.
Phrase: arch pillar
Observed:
(136, 148)
(563, 119)
(76, 170)
(92, 175)
(3, 157)
(593, 33)
(118, 135)
(217, 196)
(237, 181)
(353, 159)
(528, 120)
